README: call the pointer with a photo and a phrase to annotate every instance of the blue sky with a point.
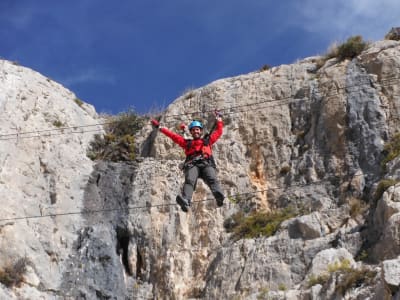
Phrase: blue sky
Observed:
(143, 54)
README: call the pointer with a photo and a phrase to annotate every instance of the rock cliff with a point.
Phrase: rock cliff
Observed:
(306, 136)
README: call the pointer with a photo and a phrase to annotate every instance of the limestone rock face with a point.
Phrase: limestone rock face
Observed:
(391, 273)
(300, 136)
(43, 171)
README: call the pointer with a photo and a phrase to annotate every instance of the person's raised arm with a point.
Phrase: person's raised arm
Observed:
(176, 138)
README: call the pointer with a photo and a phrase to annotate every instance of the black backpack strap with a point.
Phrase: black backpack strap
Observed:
(206, 140)
(188, 144)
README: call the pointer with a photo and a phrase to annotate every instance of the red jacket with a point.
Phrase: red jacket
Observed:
(196, 146)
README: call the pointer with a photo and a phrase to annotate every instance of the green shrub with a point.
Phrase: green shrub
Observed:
(352, 278)
(351, 48)
(265, 68)
(393, 34)
(348, 277)
(13, 274)
(320, 279)
(393, 37)
(125, 123)
(362, 256)
(118, 143)
(257, 224)
(235, 199)
(282, 287)
(383, 185)
(391, 150)
(342, 266)
(78, 101)
(58, 123)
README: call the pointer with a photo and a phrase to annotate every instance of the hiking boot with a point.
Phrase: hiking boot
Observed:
(220, 198)
(183, 203)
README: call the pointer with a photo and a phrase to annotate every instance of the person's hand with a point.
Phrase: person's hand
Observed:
(182, 126)
(218, 115)
(155, 123)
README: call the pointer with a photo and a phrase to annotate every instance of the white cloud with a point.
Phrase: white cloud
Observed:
(89, 75)
(342, 18)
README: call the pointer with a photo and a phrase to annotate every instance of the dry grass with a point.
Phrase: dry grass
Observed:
(13, 274)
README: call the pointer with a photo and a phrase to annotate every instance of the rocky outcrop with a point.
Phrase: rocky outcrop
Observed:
(298, 135)
(43, 171)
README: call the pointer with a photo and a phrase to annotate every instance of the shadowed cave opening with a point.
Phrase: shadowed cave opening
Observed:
(122, 249)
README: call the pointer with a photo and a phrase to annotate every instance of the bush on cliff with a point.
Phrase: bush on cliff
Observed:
(118, 143)
(347, 277)
(13, 274)
(393, 34)
(257, 224)
(348, 50)
(351, 48)
(391, 150)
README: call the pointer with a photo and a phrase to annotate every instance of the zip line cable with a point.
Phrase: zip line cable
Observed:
(167, 116)
(50, 135)
(97, 130)
(212, 250)
(20, 135)
(16, 136)
(258, 103)
(262, 107)
(129, 208)
(56, 129)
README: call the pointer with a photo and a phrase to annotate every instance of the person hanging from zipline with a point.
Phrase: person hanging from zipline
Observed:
(199, 162)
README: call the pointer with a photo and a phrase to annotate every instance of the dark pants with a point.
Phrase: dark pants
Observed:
(204, 171)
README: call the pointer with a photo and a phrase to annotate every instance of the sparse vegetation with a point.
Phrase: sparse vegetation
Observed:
(58, 123)
(391, 150)
(357, 207)
(118, 143)
(332, 52)
(347, 50)
(351, 48)
(78, 101)
(282, 287)
(383, 185)
(263, 293)
(320, 279)
(393, 34)
(257, 224)
(352, 278)
(348, 277)
(265, 68)
(342, 266)
(13, 274)
(362, 256)
(189, 93)
(235, 199)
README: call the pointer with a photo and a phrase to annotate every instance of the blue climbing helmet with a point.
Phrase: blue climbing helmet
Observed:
(195, 124)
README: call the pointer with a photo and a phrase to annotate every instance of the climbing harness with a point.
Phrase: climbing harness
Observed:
(202, 156)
